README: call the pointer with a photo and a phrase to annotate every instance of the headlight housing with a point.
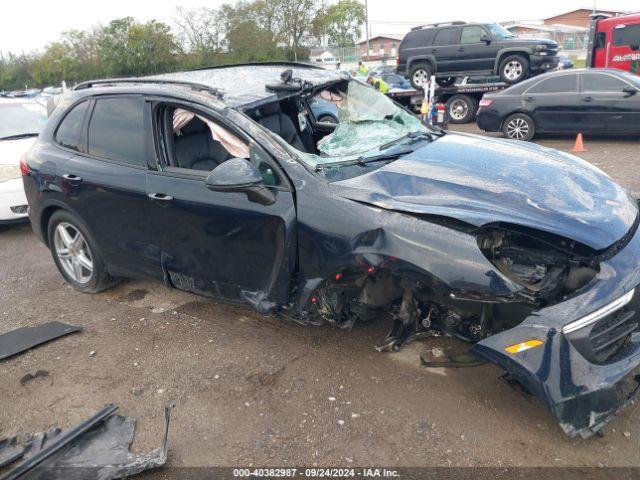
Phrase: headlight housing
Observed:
(9, 172)
(547, 266)
(541, 47)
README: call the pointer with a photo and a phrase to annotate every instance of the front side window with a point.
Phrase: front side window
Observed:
(21, 119)
(472, 34)
(116, 130)
(69, 133)
(627, 36)
(601, 40)
(594, 82)
(499, 32)
(447, 36)
(558, 84)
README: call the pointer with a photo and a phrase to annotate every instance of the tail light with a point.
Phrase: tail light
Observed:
(24, 167)
(485, 102)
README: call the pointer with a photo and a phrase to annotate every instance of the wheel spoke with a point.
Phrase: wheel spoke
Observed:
(84, 261)
(77, 270)
(66, 238)
(63, 253)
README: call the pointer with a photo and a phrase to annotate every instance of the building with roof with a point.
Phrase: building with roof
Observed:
(380, 47)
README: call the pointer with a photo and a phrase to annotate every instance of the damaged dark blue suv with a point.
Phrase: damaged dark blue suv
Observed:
(223, 183)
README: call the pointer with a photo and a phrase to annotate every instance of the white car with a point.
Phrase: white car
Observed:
(20, 123)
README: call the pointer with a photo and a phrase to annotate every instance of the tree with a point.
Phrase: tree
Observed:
(129, 48)
(298, 18)
(342, 22)
(199, 34)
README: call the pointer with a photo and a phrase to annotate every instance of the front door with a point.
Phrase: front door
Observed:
(607, 105)
(473, 53)
(219, 244)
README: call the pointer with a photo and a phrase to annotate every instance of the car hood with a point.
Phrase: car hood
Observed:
(481, 181)
(12, 150)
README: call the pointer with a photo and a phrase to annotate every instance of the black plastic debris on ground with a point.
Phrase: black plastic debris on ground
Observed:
(22, 339)
(98, 448)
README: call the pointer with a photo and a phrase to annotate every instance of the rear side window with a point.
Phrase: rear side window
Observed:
(593, 82)
(69, 133)
(447, 36)
(472, 34)
(627, 35)
(418, 38)
(116, 130)
(558, 84)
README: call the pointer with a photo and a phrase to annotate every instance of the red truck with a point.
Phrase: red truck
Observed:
(614, 42)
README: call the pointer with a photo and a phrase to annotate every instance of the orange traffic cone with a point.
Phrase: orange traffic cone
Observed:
(578, 146)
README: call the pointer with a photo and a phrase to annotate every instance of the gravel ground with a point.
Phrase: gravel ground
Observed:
(255, 391)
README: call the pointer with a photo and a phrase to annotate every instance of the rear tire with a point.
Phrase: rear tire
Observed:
(419, 74)
(513, 69)
(461, 109)
(519, 126)
(76, 253)
(446, 81)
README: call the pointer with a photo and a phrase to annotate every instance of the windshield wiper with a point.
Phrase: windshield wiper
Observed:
(19, 135)
(364, 160)
(414, 136)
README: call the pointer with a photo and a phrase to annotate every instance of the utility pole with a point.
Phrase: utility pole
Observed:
(366, 19)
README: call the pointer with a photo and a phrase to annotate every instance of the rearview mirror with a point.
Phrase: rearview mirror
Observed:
(485, 38)
(240, 175)
(629, 91)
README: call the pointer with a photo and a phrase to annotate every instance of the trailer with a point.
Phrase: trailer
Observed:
(461, 99)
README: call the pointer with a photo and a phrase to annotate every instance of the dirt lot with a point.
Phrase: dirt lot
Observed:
(254, 391)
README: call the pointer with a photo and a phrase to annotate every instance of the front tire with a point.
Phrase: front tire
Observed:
(519, 126)
(513, 69)
(419, 75)
(76, 254)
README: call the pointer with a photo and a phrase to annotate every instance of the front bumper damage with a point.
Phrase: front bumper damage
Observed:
(582, 394)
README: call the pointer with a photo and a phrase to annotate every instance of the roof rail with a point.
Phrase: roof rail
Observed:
(282, 63)
(442, 24)
(149, 80)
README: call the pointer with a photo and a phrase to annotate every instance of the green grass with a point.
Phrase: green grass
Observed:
(578, 62)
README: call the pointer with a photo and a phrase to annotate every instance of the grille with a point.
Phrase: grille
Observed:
(610, 333)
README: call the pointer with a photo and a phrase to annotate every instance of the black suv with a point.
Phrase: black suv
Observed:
(222, 182)
(458, 49)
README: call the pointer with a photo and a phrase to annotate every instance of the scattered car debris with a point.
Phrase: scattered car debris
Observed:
(30, 376)
(439, 357)
(22, 339)
(96, 448)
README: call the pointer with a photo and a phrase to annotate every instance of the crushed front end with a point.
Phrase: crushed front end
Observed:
(581, 356)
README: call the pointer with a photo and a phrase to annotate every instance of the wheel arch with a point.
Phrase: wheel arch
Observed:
(46, 213)
(430, 59)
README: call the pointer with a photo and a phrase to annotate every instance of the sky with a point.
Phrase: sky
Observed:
(24, 29)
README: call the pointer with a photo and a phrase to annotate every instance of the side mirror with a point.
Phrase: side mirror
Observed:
(635, 47)
(240, 175)
(485, 38)
(629, 91)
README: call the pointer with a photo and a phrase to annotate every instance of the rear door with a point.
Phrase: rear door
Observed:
(445, 49)
(105, 183)
(473, 53)
(607, 106)
(222, 244)
(554, 103)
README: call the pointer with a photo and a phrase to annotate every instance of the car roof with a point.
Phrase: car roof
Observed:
(236, 86)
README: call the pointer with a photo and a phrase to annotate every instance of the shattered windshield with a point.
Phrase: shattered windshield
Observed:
(368, 123)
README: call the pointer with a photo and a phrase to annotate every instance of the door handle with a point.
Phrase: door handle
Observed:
(74, 180)
(528, 99)
(160, 197)
(587, 99)
(461, 49)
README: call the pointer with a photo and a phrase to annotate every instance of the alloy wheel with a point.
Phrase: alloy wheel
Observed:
(73, 252)
(518, 128)
(513, 70)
